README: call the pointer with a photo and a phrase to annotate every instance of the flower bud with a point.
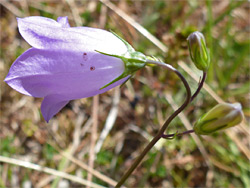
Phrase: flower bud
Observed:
(222, 116)
(198, 50)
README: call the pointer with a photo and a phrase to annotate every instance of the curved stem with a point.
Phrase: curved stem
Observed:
(170, 136)
(200, 86)
(165, 125)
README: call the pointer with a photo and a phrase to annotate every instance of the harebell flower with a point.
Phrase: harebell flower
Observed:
(67, 63)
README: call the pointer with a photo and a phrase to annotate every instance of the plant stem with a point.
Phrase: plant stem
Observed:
(167, 136)
(200, 86)
(165, 125)
(170, 136)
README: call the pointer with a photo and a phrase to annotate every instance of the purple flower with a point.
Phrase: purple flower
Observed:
(63, 63)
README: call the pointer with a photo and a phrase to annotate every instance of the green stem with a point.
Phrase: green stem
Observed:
(165, 125)
(170, 136)
(200, 86)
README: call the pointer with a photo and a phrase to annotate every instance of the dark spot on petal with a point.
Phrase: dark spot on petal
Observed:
(92, 68)
(85, 56)
(81, 64)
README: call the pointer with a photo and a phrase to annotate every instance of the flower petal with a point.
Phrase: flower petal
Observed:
(51, 105)
(63, 21)
(48, 34)
(41, 20)
(40, 73)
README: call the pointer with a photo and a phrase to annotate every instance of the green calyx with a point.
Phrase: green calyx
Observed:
(133, 61)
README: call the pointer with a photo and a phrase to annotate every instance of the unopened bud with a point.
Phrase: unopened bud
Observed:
(222, 116)
(198, 50)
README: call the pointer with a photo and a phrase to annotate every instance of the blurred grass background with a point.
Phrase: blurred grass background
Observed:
(137, 110)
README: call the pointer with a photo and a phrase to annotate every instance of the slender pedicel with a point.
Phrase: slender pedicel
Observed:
(200, 86)
(171, 136)
(165, 125)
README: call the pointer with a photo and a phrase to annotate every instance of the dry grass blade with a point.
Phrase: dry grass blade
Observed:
(45, 181)
(12, 8)
(224, 167)
(75, 12)
(39, 168)
(93, 134)
(64, 163)
(90, 170)
(136, 25)
(110, 120)
(37, 5)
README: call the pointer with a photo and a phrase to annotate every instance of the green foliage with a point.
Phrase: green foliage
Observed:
(6, 147)
(87, 17)
(49, 152)
(104, 157)
(161, 172)
(100, 182)
(19, 51)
